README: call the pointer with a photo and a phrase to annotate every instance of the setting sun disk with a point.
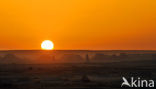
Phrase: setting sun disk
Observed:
(47, 45)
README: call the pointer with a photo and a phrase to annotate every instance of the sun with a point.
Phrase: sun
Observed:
(47, 45)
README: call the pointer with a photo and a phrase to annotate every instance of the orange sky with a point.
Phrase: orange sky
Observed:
(78, 24)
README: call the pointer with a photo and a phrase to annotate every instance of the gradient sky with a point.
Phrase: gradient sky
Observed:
(78, 24)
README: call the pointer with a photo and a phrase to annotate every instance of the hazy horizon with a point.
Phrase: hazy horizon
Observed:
(74, 50)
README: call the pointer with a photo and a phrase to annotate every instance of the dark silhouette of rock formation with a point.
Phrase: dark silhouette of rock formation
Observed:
(123, 55)
(71, 58)
(45, 59)
(100, 56)
(87, 58)
(11, 59)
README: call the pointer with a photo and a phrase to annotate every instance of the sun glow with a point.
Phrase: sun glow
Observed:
(47, 45)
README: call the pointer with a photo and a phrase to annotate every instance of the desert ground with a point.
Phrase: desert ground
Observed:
(74, 69)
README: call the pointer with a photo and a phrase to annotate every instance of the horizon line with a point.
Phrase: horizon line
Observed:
(79, 50)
